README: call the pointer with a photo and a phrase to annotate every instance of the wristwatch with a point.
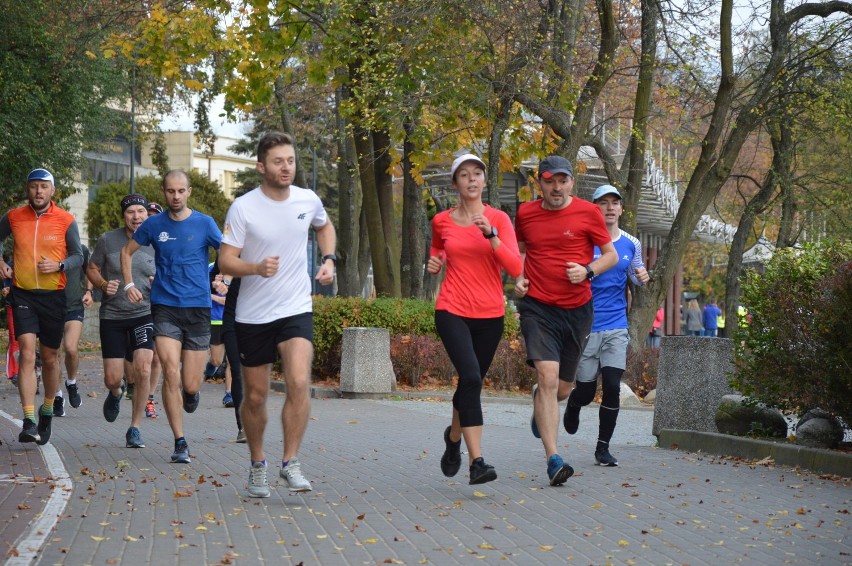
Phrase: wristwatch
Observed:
(331, 257)
(61, 266)
(492, 234)
(590, 273)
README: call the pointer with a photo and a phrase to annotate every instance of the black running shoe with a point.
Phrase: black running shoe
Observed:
(190, 402)
(181, 453)
(43, 428)
(604, 458)
(112, 406)
(29, 432)
(451, 460)
(58, 407)
(480, 472)
(571, 420)
(73, 395)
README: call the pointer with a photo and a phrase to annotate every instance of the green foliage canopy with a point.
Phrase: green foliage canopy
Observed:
(795, 353)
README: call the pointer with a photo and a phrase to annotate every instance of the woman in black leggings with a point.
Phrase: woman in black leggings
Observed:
(475, 243)
(229, 338)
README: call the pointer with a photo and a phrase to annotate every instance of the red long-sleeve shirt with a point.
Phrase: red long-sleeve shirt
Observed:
(473, 286)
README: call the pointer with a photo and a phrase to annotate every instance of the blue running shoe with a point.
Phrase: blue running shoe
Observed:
(557, 470)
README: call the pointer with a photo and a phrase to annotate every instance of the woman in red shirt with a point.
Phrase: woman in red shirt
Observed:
(475, 242)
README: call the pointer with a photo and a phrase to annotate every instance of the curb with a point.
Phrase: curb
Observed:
(814, 459)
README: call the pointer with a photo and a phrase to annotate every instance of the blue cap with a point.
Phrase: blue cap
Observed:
(606, 190)
(40, 175)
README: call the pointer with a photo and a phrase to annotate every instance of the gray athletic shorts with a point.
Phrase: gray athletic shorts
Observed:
(607, 348)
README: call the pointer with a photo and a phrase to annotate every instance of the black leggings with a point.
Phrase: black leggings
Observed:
(232, 352)
(470, 344)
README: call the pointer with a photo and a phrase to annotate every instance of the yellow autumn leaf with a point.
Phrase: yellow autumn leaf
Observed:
(98, 539)
(200, 528)
(129, 538)
(545, 547)
(623, 542)
(193, 84)
(596, 506)
(486, 546)
(322, 536)
(479, 494)
(371, 540)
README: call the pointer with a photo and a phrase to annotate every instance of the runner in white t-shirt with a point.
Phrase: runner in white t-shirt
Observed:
(265, 243)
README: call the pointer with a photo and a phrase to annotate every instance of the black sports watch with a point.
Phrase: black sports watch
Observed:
(332, 257)
(492, 234)
(61, 266)
(590, 273)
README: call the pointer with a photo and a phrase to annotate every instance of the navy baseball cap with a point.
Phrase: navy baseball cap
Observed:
(554, 165)
(40, 175)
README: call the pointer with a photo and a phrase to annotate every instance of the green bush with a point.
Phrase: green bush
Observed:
(416, 350)
(795, 353)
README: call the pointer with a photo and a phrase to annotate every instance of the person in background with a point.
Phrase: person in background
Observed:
(709, 318)
(476, 243)
(694, 325)
(126, 328)
(231, 287)
(218, 366)
(78, 296)
(156, 368)
(13, 351)
(656, 332)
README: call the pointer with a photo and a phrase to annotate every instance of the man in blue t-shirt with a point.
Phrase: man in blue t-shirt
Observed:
(180, 297)
(606, 349)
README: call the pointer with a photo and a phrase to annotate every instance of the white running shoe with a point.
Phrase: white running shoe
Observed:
(258, 484)
(292, 475)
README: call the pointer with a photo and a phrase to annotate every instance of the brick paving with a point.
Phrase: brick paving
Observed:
(379, 496)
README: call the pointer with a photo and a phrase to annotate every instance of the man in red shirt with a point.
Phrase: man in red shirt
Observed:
(557, 236)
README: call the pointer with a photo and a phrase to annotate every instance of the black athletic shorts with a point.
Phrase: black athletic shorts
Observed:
(121, 337)
(41, 313)
(555, 334)
(258, 343)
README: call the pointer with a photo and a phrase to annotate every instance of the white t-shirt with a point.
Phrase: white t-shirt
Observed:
(262, 227)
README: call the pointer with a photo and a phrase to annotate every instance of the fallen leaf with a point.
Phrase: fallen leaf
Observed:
(623, 542)
(371, 540)
(23, 506)
(479, 494)
(545, 547)
(486, 546)
(98, 539)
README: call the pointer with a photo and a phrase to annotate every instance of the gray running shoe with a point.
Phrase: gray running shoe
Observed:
(112, 406)
(241, 437)
(258, 484)
(292, 475)
(181, 453)
(134, 438)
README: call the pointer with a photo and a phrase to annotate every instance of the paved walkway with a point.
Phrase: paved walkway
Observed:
(379, 496)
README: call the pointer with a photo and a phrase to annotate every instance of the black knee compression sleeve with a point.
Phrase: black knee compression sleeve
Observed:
(583, 393)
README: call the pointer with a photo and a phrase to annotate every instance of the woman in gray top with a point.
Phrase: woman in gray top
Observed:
(693, 319)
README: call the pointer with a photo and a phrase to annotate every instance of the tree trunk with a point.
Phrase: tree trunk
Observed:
(414, 239)
(380, 248)
(640, 319)
(349, 282)
(300, 180)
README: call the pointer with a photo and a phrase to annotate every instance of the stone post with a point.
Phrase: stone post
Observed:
(691, 380)
(366, 370)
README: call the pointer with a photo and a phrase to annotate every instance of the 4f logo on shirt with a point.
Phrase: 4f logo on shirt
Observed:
(302, 216)
(164, 237)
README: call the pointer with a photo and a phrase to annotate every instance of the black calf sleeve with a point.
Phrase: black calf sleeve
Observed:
(583, 393)
(611, 385)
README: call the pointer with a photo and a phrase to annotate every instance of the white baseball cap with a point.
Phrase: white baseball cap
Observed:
(464, 159)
